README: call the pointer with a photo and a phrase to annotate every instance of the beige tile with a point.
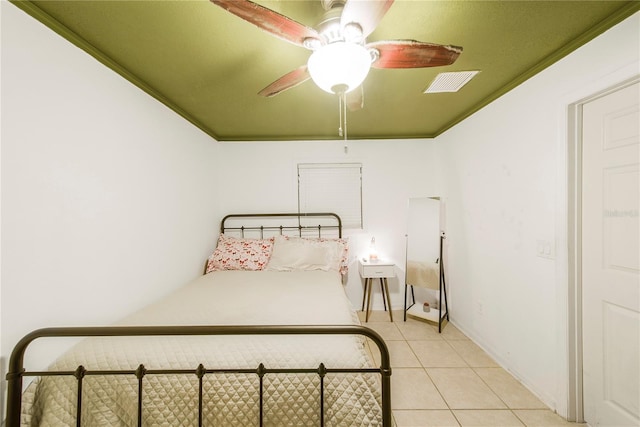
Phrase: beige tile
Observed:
(411, 388)
(472, 354)
(542, 418)
(510, 390)
(462, 388)
(425, 418)
(418, 330)
(388, 331)
(436, 354)
(451, 333)
(401, 355)
(487, 418)
(458, 375)
(380, 316)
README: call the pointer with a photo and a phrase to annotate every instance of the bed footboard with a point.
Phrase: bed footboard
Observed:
(17, 372)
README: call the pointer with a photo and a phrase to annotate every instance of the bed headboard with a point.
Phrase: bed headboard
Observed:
(323, 224)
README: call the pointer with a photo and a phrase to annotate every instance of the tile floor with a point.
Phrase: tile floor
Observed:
(447, 380)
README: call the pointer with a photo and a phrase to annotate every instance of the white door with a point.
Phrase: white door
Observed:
(611, 258)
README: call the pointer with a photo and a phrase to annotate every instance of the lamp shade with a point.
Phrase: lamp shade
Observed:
(338, 65)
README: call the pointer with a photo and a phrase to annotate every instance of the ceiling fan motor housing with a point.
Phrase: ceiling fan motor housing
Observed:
(330, 4)
(329, 25)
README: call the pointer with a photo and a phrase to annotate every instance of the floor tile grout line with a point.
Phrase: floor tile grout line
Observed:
(496, 393)
(491, 388)
(440, 393)
(519, 419)
(523, 424)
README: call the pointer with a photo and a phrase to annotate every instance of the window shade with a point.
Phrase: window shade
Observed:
(332, 187)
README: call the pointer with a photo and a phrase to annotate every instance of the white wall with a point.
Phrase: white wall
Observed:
(262, 177)
(109, 199)
(505, 183)
(2, 358)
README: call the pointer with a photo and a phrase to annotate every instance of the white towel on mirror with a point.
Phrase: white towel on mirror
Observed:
(423, 274)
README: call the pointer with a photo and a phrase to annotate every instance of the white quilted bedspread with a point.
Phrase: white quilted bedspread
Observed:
(221, 298)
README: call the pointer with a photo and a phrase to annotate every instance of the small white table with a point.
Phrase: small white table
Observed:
(370, 270)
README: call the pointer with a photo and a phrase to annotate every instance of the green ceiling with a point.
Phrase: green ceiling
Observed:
(208, 65)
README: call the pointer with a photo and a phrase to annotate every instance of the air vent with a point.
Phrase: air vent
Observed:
(450, 82)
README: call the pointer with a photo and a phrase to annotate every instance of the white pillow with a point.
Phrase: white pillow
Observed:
(334, 248)
(297, 254)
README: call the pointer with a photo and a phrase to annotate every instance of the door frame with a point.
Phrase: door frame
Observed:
(575, 408)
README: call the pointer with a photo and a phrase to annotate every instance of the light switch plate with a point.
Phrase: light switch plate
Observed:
(545, 249)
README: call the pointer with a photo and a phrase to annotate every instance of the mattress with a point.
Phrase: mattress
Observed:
(222, 298)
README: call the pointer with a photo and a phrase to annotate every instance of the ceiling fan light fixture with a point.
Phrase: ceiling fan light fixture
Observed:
(352, 32)
(338, 65)
(312, 43)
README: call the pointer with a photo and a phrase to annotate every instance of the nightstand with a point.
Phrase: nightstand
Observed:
(370, 270)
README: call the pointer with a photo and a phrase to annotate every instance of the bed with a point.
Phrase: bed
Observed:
(266, 337)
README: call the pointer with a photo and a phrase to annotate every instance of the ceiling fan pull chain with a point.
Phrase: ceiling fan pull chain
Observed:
(340, 130)
(343, 97)
(342, 110)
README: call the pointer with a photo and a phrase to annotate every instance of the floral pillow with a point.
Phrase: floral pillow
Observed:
(234, 253)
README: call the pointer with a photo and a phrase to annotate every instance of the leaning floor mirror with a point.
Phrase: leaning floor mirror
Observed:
(425, 291)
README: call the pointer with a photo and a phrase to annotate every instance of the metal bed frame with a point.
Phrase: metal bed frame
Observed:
(16, 370)
(303, 224)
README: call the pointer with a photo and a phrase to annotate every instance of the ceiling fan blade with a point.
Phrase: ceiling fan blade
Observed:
(366, 13)
(413, 54)
(355, 99)
(279, 25)
(289, 80)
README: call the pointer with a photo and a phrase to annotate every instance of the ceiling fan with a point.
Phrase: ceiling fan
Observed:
(341, 57)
